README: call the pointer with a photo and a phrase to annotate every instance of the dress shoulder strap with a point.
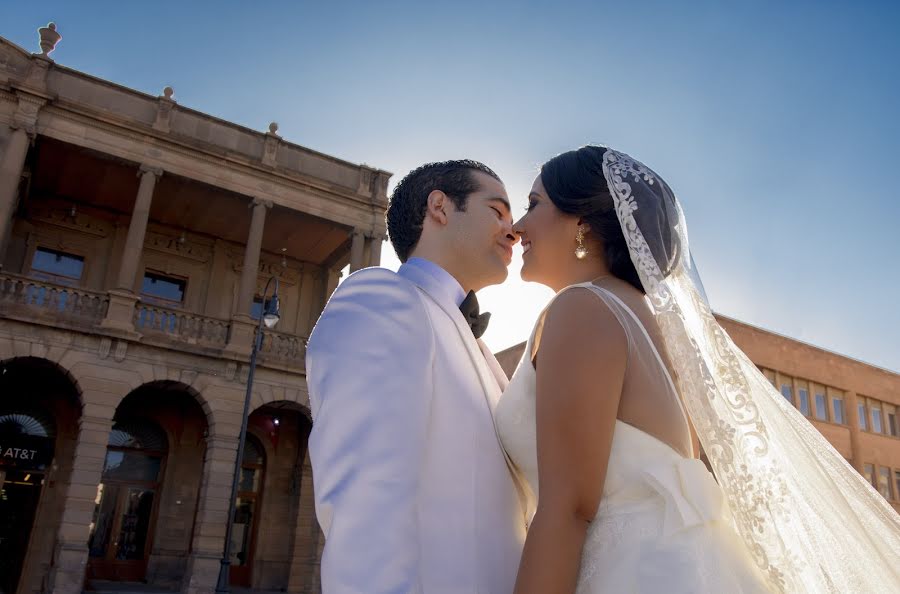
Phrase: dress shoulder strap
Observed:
(615, 303)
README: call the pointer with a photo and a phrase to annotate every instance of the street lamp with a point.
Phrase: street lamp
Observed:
(269, 316)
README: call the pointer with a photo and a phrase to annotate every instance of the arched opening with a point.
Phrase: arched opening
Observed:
(147, 499)
(281, 431)
(39, 411)
(127, 499)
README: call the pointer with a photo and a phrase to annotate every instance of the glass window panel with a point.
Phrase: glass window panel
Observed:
(57, 264)
(256, 308)
(132, 466)
(884, 482)
(134, 525)
(242, 531)
(804, 401)
(870, 474)
(249, 479)
(787, 392)
(861, 411)
(163, 287)
(837, 410)
(104, 516)
(253, 452)
(821, 407)
(890, 415)
(876, 420)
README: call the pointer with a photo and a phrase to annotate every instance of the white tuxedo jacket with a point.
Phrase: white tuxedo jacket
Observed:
(412, 488)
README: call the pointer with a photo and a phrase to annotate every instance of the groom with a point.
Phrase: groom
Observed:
(413, 490)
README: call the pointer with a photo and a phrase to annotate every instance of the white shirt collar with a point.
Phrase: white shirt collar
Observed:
(447, 282)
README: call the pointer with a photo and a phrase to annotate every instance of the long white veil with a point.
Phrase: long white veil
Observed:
(810, 521)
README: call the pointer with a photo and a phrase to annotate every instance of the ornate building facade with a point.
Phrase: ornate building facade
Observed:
(136, 236)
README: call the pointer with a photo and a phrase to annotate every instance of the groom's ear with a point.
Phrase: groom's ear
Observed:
(436, 207)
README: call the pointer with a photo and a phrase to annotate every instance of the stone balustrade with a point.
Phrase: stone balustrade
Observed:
(30, 296)
(180, 325)
(285, 348)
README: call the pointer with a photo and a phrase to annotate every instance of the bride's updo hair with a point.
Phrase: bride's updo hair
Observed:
(575, 183)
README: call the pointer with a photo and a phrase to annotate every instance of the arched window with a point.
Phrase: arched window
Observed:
(32, 423)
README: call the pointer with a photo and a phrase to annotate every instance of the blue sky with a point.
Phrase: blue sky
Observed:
(775, 122)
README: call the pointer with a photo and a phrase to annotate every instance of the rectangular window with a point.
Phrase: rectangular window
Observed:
(890, 412)
(804, 401)
(861, 412)
(877, 425)
(870, 474)
(256, 309)
(897, 482)
(770, 375)
(787, 392)
(821, 407)
(163, 289)
(837, 410)
(884, 482)
(56, 266)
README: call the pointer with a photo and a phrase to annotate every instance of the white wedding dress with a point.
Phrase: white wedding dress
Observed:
(663, 524)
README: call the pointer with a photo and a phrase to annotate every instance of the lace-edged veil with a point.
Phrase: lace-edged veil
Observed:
(810, 521)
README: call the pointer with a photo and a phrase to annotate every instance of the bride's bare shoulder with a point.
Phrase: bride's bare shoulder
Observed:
(577, 320)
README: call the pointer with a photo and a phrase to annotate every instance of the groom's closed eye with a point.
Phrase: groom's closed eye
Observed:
(501, 207)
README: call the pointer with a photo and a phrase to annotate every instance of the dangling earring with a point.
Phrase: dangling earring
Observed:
(581, 251)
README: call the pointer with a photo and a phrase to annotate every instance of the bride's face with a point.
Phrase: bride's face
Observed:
(548, 238)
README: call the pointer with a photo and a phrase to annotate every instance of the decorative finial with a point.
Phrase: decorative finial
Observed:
(273, 128)
(49, 38)
(168, 92)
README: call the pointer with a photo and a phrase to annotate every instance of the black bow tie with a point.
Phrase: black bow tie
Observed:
(477, 322)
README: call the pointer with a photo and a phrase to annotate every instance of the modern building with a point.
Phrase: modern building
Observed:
(136, 238)
(853, 404)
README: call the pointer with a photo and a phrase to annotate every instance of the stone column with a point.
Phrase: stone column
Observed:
(240, 340)
(11, 166)
(357, 251)
(137, 229)
(304, 573)
(334, 278)
(122, 299)
(251, 257)
(66, 575)
(12, 163)
(375, 251)
(852, 403)
(212, 514)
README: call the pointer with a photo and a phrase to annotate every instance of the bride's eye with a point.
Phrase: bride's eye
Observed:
(531, 205)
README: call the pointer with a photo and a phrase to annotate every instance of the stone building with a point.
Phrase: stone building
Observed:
(136, 238)
(853, 404)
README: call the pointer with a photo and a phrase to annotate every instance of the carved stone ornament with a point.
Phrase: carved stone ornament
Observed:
(270, 150)
(63, 217)
(174, 245)
(164, 110)
(49, 38)
(121, 350)
(105, 344)
(27, 112)
(366, 181)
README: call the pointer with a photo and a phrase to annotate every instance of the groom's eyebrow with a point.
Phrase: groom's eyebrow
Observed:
(502, 201)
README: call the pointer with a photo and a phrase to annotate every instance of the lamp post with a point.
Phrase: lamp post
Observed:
(270, 316)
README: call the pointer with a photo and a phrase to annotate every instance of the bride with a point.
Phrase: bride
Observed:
(626, 373)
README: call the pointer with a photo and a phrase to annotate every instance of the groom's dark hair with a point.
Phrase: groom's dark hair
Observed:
(409, 201)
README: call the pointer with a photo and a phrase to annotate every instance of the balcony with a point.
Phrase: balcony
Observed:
(36, 301)
(29, 299)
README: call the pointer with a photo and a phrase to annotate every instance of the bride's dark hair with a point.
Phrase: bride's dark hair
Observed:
(575, 183)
